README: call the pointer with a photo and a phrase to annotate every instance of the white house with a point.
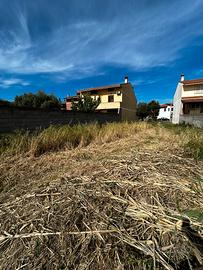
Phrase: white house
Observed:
(188, 102)
(165, 111)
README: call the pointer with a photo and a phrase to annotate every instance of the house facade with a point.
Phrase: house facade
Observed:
(188, 102)
(165, 112)
(116, 98)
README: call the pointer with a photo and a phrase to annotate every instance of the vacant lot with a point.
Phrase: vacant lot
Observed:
(100, 197)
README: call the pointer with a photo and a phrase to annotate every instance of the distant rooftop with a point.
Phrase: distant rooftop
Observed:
(166, 105)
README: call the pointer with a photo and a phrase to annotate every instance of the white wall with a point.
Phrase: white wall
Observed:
(177, 104)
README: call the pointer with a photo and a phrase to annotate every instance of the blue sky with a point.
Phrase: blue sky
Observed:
(65, 45)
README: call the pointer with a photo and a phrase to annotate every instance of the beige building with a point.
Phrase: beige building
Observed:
(116, 98)
(188, 102)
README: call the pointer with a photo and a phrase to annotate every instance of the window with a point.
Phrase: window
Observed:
(171, 109)
(168, 109)
(111, 98)
(93, 92)
(165, 109)
(201, 107)
(186, 108)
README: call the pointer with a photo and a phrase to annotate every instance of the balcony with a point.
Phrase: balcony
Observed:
(109, 105)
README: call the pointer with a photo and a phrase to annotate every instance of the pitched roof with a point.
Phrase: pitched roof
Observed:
(192, 82)
(100, 88)
(166, 105)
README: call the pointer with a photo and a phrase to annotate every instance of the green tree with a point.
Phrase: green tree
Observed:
(150, 110)
(38, 100)
(85, 104)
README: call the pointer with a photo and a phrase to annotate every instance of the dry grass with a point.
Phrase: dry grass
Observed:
(112, 201)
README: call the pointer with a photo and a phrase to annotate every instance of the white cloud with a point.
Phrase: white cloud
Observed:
(140, 37)
(6, 83)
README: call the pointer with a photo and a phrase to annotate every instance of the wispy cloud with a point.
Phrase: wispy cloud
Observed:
(6, 83)
(43, 38)
(144, 81)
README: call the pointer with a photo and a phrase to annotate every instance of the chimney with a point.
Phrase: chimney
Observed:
(182, 77)
(126, 79)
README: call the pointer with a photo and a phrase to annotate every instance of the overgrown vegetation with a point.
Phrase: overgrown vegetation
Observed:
(56, 138)
(105, 197)
(61, 137)
(191, 137)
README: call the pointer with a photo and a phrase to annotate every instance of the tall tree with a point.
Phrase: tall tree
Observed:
(150, 110)
(142, 110)
(153, 108)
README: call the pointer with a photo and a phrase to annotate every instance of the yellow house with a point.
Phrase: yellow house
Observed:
(117, 98)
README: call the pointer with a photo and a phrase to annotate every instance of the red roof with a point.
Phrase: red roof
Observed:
(166, 105)
(192, 82)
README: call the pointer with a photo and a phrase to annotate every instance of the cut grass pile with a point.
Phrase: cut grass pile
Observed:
(112, 198)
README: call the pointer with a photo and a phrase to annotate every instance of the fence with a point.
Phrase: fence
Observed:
(12, 118)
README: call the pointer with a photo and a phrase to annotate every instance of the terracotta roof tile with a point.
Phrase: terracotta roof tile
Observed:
(100, 88)
(165, 105)
(192, 82)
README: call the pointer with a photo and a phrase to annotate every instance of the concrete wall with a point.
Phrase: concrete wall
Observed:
(16, 118)
(177, 104)
(195, 120)
(129, 103)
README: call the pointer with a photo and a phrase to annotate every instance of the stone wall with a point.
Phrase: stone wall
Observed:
(17, 118)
